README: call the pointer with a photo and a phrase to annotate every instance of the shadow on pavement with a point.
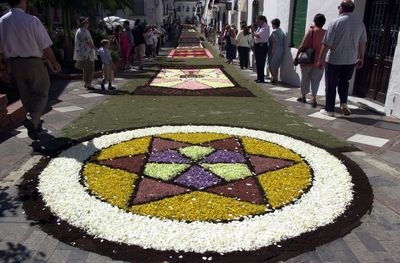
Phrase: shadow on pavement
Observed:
(15, 253)
(8, 204)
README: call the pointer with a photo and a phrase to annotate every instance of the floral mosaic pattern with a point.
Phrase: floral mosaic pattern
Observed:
(186, 81)
(192, 79)
(197, 189)
(217, 172)
(191, 53)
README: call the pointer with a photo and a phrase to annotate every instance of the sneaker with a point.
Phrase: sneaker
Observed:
(32, 131)
(301, 99)
(327, 113)
(345, 109)
(103, 85)
(111, 88)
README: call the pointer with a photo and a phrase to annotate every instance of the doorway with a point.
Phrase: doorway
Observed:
(382, 19)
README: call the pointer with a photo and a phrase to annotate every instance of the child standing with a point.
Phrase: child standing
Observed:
(108, 72)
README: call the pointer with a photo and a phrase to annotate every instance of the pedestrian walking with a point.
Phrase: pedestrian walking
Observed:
(311, 74)
(108, 72)
(345, 40)
(138, 38)
(85, 52)
(230, 41)
(243, 41)
(24, 46)
(261, 38)
(276, 49)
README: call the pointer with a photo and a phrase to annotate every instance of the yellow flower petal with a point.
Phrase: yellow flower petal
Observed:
(133, 147)
(195, 138)
(112, 185)
(284, 186)
(259, 147)
(199, 206)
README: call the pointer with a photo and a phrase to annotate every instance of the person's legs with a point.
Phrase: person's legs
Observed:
(331, 81)
(274, 74)
(88, 71)
(261, 54)
(33, 84)
(140, 54)
(241, 57)
(315, 76)
(246, 55)
(305, 81)
(257, 59)
(40, 85)
(346, 73)
(264, 52)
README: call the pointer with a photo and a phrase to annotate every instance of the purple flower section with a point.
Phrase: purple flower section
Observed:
(222, 156)
(198, 178)
(168, 156)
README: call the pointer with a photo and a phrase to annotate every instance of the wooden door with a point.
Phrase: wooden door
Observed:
(382, 19)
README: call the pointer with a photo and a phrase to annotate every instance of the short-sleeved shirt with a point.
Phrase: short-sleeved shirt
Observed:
(105, 55)
(22, 35)
(344, 36)
(263, 33)
(138, 37)
(82, 51)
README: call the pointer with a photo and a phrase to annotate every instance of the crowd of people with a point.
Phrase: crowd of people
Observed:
(25, 50)
(131, 44)
(337, 52)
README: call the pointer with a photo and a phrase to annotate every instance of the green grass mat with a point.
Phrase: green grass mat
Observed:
(260, 112)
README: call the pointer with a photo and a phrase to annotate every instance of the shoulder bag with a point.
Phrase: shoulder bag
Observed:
(307, 56)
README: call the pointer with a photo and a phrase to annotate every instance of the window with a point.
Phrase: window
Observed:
(299, 21)
(138, 7)
(255, 10)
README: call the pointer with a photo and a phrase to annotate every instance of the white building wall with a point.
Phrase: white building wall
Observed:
(392, 106)
(154, 12)
(183, 14)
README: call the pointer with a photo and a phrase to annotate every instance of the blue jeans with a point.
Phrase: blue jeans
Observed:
(337, 76)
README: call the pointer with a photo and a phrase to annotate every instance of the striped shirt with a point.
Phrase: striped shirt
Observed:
(344, 36)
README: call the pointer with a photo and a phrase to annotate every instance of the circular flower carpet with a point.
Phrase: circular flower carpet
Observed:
(197, 193)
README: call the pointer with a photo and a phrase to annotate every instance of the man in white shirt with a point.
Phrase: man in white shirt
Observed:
(261, 38)
(24, 45)
(346, 40)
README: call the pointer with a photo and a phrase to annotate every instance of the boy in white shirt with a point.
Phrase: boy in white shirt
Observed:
(108, 72)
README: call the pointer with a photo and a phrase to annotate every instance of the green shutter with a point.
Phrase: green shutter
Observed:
(299, 21)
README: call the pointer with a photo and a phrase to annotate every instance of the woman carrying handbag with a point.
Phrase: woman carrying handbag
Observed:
(307, 58)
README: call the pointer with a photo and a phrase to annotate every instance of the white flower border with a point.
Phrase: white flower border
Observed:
(331, 193)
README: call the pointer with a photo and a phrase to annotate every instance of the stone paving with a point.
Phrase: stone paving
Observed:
(376, 240)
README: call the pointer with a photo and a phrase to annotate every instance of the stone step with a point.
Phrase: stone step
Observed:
(16, 113)
(3, 101)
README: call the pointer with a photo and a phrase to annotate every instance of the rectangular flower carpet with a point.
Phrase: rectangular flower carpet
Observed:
(208, 81)
(190, 53)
